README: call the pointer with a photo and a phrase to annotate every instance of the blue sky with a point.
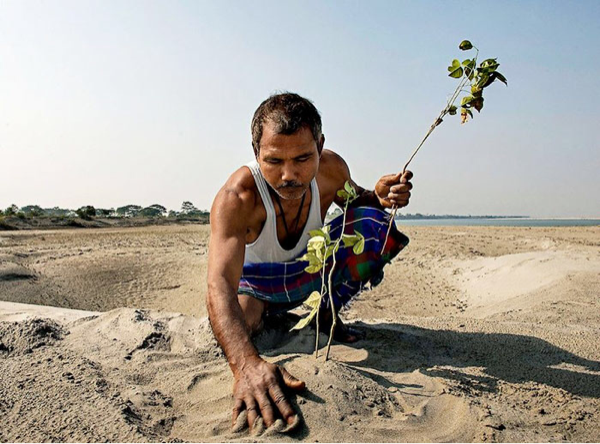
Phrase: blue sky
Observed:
(110, 103)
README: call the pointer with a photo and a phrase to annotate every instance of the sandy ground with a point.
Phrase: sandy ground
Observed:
(475, 334)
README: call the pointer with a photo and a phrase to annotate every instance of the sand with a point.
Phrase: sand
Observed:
(475, 334)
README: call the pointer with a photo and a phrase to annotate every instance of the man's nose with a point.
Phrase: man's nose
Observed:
(288, 173)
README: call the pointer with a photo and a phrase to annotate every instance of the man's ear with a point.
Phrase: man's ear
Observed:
(321, 144)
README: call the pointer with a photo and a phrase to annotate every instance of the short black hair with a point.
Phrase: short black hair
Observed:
(289, 112)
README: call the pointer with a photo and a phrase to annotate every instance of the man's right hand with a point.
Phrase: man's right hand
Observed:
(258, 386)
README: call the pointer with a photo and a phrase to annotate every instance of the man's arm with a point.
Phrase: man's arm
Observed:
(225, 262)
(257, 383)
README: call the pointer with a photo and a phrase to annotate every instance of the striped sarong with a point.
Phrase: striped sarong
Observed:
(286, 285)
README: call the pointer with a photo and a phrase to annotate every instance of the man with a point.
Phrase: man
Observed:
(260, 219)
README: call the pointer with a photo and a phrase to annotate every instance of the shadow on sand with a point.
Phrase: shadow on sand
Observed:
(505, 357)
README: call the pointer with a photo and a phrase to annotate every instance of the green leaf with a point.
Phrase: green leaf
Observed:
(316, 243)
(310, 257)
(313, 268)
(475, 90)
(465, 45)
(349, 239)
(352, 194)
(489, 65)
(456, 74)
(454, 66)
(452, 110)
(321, 232)
(466, 100)
(360, 245)
(343, 194)
(304, 321)
(483, 81)
(314, 300)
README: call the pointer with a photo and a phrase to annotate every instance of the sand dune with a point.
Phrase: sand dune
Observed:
(476, 334)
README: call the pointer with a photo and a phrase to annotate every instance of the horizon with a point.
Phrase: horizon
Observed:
(104, 103)
(400, 214)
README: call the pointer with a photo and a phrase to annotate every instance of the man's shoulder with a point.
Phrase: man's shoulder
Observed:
(239, 190)
(333, 167)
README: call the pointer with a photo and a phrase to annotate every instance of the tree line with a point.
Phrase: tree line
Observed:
(188, 210)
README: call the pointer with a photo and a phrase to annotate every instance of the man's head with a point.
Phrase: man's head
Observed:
(287, 142)
(287, 113)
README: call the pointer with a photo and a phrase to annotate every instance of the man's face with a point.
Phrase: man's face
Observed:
(288, 162)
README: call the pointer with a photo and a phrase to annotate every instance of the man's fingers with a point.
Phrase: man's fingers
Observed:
(291, 381)
(399, 196)
(282, 403)
(391, 179)
(252, 413)
(406, 176)
(237, 409)
(266, 409)
(402, 188)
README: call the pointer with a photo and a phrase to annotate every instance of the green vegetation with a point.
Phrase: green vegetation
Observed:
(30, 216)
(473, 80)
(320, 249)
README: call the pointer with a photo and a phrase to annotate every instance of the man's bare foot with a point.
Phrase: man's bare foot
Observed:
(342, 333)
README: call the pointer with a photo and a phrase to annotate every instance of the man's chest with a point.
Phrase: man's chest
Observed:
(257, 222)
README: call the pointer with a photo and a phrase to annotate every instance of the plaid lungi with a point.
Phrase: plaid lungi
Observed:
(287, 284)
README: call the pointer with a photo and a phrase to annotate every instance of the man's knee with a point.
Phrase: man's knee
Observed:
(253, 310)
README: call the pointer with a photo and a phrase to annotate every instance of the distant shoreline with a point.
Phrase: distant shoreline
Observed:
(454, 216)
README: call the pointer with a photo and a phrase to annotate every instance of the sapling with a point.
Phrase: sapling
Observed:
(470, 75)
(320, 248)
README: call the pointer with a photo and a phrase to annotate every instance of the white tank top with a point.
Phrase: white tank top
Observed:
(266, 248)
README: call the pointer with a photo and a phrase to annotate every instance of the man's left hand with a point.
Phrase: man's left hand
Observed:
(394, 189)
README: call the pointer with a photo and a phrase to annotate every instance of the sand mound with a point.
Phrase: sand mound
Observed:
(493, 284)
(24, 337)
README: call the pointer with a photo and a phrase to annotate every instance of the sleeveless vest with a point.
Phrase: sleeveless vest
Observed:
(266, 248)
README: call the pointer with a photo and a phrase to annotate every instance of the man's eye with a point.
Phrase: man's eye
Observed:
(273, 161)
(303, 159)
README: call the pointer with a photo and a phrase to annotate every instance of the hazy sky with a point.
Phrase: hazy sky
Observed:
(116, 102)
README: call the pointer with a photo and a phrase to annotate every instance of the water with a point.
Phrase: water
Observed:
(500, 222)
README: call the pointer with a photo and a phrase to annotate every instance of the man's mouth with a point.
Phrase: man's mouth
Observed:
(289, 185)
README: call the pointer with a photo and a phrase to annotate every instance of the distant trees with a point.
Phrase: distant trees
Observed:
(102, 212)
(188, 211)
(33, 210)
(129, 210)
(11, 211)
(188, 207)
(56, 211)
(86, 212)
(154, 210)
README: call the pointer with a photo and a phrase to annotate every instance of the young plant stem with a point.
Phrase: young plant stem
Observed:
(330, 291)
(463, 82)
(319, 311)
